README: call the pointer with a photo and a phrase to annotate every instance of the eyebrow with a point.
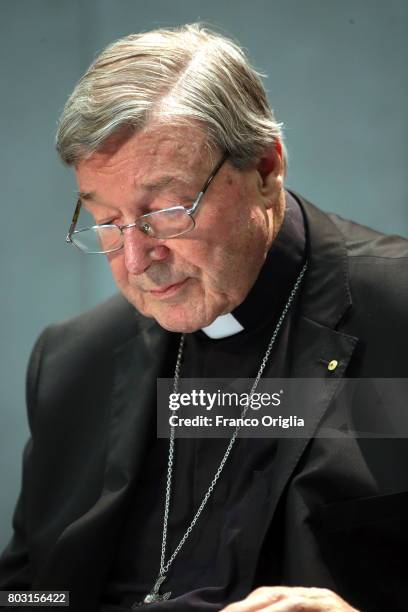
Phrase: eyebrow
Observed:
(158, 185)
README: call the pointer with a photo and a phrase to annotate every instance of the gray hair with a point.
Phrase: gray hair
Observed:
(186, 75)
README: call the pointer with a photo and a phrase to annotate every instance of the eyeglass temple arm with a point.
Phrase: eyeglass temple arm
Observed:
(194, 207)
(74, 221)
(217, 167)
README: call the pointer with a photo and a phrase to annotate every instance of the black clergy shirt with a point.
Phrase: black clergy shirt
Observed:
(230, 550)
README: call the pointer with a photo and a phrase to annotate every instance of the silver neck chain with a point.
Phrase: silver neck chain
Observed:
(165, 566)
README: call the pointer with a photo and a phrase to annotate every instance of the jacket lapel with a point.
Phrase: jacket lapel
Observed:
(324, 300)
(86, 547)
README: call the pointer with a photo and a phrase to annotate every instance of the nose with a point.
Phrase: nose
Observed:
(140, 250)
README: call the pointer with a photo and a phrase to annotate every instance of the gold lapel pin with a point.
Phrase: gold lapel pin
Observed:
(332, 365)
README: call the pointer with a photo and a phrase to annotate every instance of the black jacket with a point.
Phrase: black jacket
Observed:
(340, 504)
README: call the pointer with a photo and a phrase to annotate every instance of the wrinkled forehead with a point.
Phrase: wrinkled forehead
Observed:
(156, 145)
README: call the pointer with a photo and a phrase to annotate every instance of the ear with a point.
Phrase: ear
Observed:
(271, 171)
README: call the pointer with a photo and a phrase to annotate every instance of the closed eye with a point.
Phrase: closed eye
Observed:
(186, 201)
(116, 220)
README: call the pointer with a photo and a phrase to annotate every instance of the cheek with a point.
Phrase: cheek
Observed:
(199, 256)
(223, 245)
(242, 236)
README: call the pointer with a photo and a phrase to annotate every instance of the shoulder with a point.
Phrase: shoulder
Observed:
(100, 329)
(109, 322)
(377, 265)
(375, 261)
(359, 240)
(80, 352)
(364, 242)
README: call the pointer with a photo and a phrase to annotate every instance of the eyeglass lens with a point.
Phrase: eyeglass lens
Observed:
(161, 224)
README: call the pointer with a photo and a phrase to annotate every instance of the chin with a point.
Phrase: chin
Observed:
(177, 320)
(183, 327)
(181, 317)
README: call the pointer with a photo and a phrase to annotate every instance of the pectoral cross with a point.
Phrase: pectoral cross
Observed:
(154, 594)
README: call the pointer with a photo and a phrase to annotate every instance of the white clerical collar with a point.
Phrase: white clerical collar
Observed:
(223, 326)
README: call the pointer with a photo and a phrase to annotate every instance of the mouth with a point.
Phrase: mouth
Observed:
(168, 291)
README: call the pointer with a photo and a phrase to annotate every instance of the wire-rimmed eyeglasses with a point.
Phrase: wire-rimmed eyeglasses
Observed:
(161, 224)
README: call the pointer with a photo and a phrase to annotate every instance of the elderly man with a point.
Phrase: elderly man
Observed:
(180, 161)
